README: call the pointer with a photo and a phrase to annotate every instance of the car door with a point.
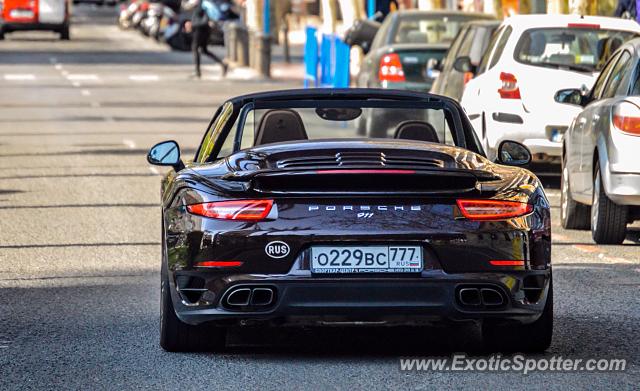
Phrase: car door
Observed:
(575, 141)
(617, 84)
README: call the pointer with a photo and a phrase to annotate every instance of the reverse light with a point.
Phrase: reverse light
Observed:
(391, 68)
(493, 210)
(626, 118)
(506, 262)
(509, 88)
(246, 210)
(219, 264)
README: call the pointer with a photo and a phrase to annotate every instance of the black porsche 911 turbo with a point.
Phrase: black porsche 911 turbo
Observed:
(288, 217)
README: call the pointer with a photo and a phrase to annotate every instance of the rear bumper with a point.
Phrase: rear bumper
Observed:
(622, 188)
(8, 27)
(430, 299)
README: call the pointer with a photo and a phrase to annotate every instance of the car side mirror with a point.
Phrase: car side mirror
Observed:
(166, 153)
(571, 96)
(463, 65)
(512, 153)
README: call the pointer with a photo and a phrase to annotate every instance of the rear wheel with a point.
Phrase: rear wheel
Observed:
(608, 219)
(177, 336)
(527, 338)
(64, 33)
(573, 215)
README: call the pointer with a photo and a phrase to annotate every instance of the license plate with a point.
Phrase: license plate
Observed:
(21, 13)
(366, 259)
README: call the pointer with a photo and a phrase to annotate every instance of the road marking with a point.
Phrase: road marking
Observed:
(144, 77)
(19, 76)
(58, 67)
(85, 92)
(587, 248)
(75, 84)
(65, 73)
(129, 143)
(154, 170)
(82, 77)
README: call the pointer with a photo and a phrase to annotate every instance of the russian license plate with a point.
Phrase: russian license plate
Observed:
(366, 259)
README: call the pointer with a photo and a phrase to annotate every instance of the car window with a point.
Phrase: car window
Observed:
(480, 42)
(627, 72)
(579, 49)
(617, 74)
(381, 35)
(599, 84)
(500, 46)
(492, 44)
(635, 88)
(455, 46)
(467, 42)
(208, 143)
(428, 29)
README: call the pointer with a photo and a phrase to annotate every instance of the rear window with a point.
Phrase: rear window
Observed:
(579, 49)
(428, 30)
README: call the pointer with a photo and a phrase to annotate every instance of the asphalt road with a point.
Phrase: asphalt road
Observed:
(79, 243)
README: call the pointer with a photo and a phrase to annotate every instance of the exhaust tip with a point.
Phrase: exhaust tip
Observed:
(469, 296)
(262, 296)
(491, 297)
(239, 297)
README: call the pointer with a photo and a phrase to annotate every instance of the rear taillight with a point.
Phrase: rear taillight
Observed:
(509, 88)
(391, 68)
(219, 264)
(626, 118)
(491, 210)
(467, 76)
(246, 210)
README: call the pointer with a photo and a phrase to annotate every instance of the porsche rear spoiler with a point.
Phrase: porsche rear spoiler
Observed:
(364, 181)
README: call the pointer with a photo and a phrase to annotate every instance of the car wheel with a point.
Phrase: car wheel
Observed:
(573, 215)
(608, 219)
(1, 34)
(64, 33)
(528, 338)
(177, 336)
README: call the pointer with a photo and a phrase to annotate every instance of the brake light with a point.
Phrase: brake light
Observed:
(626, 118)
(391, 68)
(219, 264)
(506, 262)
(493, 210)
(247, 210)
(509, 88)
(584, 26)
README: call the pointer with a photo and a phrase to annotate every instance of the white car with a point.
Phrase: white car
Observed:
(529, 59)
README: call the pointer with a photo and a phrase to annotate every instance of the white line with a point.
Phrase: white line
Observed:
(82, 77)
(58, 67)
(129, 143)
(85, 92)
(154, 170)
(75, 84)
(144, 77)
(19, 76)
(64, 73)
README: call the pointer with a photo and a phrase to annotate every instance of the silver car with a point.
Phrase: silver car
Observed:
(601, 151)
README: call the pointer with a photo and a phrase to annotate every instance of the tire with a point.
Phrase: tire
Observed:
(1, 34)
(608, 219)
(177, 336)
(528, 338)
(573, 215)
(64, 33)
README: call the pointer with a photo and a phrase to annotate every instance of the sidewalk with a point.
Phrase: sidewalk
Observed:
(280, 70)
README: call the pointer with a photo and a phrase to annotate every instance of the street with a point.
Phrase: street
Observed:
(80, 242)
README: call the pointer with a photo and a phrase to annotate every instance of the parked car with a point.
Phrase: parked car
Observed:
(600, 164)
(287, 217)
(47, 15)
(472, 41)
(408, 48)
(530, 58)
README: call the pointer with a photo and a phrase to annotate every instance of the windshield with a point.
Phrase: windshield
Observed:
(263, 123)
(580, 49)
(428, 29)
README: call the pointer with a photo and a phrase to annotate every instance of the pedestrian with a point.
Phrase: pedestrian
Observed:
(627, 9)
(201, 29)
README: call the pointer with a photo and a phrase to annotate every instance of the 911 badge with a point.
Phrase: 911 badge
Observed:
(277, 249)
